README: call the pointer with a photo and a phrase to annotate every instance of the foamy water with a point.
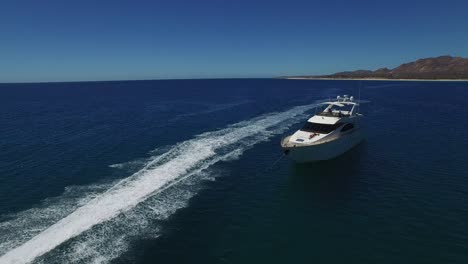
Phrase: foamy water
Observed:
(110, 211)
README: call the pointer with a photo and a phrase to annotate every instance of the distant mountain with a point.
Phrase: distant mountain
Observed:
(443, 67)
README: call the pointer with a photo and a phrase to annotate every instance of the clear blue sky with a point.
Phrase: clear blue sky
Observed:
(115, 40)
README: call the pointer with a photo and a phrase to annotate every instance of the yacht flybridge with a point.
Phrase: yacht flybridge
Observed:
(327, 134)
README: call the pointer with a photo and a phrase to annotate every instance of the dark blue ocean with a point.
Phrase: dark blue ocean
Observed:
(183, 171)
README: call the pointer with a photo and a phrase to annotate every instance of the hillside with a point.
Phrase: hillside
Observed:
(443, 67)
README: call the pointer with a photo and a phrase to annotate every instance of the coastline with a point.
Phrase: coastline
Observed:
(376, 79)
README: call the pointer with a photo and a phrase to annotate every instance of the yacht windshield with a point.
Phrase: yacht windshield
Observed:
(320, 128)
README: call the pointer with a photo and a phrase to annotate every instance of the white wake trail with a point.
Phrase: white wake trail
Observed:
(182, 160)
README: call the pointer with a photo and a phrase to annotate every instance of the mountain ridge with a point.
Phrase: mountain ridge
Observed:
(442, 67)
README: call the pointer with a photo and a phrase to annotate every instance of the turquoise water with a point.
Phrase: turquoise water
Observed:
(183, 171)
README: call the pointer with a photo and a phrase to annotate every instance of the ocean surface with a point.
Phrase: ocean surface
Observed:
(190, 171)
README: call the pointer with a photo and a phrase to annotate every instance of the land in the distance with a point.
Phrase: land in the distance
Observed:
(438, 68)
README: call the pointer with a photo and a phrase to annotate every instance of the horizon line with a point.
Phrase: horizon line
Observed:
(137, 80)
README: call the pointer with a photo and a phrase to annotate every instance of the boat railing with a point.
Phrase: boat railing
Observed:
(318, 142)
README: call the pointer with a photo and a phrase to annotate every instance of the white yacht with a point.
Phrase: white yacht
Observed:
(327, 134)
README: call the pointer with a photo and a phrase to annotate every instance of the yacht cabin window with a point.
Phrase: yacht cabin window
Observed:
(320, 128)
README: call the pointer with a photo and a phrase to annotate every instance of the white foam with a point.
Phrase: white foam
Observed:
(18, 228)
(183, 160)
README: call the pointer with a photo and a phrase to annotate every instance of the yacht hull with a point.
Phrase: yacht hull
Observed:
(323, 151)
